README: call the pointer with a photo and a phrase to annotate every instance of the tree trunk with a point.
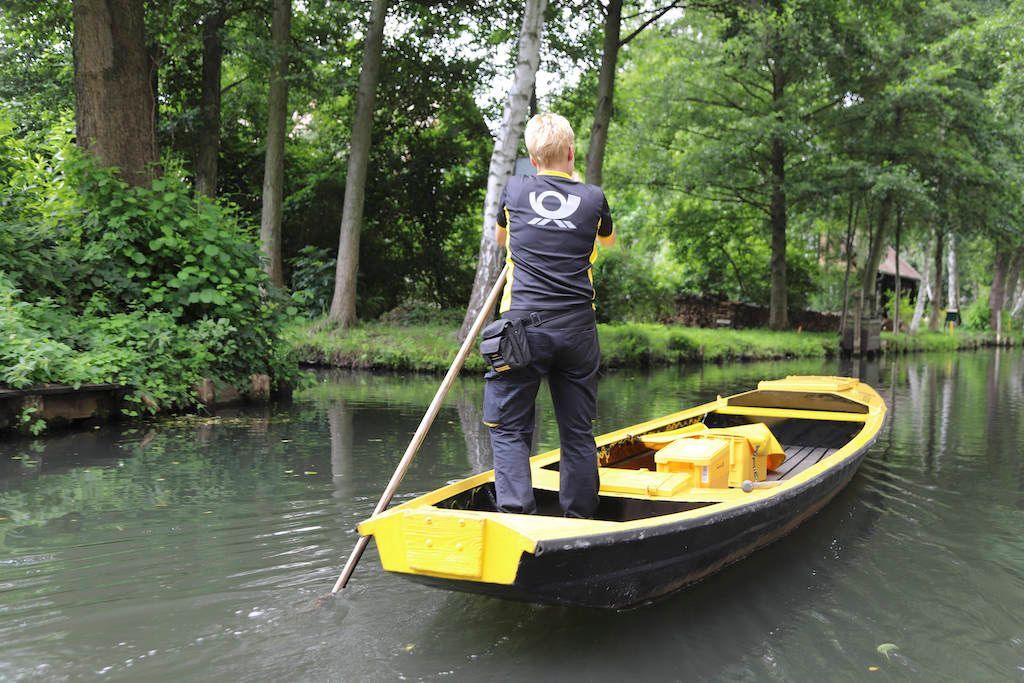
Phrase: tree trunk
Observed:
(923, 293)
(208, 134)
(953, 295)
(1018, 305)
(114, 105)
(273, 167)
(778, 306)
(870, 274)
(850, 222)
(1013, 279)
(605, 93)
(936, 280)
(898, 293)
(343, 304)
(503, 157)
(997, 294)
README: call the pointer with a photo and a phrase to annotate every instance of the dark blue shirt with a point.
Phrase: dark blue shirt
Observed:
(552, 223)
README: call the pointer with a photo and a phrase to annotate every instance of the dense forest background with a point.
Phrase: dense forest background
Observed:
(763, 151)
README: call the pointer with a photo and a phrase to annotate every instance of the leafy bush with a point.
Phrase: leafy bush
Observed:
(28, 353)
(148, 286)
(977, 315)
(802, 275)
(628, 289)
(313, 273)
(906, 309)
(419, 312)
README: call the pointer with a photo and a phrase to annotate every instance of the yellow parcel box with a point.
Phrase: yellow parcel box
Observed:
(705, 459)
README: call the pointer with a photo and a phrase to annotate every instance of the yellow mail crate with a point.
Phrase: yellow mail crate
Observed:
(705, 459)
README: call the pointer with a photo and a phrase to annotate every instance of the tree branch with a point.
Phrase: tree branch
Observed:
(658, 15)
(241, 80)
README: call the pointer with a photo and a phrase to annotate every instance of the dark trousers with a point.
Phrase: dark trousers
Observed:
(569, 357)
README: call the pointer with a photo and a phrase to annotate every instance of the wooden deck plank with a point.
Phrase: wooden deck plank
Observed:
(794, 456)
(811, 456)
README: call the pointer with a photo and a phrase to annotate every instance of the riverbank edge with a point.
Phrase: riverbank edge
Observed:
(430, 348)
(40, 408)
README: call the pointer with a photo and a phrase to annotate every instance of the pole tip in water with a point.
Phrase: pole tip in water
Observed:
(322, 600)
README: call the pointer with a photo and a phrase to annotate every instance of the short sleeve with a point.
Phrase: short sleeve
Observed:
(604, 223)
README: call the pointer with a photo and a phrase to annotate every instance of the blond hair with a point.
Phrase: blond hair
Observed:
(549, 138)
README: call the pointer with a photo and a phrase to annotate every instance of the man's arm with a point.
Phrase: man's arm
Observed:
(501, 223)
(605, 227)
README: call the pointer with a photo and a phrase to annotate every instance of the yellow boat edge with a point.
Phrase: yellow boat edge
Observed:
(487, 546)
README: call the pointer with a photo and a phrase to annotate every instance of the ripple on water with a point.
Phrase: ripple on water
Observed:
(197, 553)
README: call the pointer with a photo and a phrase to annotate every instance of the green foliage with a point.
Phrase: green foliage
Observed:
(313, 279)
(146, 286)
(977, 315)
(802, 275)
(918, 103)
(906, 309)
(630, 287)
(28, 353)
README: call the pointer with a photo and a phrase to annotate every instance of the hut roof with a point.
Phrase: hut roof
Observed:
(888, 267)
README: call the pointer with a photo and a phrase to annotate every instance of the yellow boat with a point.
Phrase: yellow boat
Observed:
(681, 497)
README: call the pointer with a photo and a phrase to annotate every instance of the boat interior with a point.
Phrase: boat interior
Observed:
(754, 440)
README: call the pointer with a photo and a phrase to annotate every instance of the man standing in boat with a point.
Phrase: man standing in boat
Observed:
(550, 224)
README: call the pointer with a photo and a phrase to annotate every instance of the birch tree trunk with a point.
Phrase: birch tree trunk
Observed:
(936, 279)
(1013, 277)
(208, 135)
(605, 93)
(273, 169)
(503, 157)
(343, 304)
(115, 108)
(924, 293)
(953, 293)
(1018, 305)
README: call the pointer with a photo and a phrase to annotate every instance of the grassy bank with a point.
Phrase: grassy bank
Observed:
(944, 341)
(431, 348)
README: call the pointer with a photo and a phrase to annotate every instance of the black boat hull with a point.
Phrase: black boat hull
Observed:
(629, 568)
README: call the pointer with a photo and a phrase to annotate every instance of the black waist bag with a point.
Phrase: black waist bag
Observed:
(504, 345)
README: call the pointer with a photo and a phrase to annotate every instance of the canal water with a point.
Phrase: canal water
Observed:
(192, 549)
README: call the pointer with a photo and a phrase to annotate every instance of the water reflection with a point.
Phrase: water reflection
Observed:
(478, 441)
(192, 548)
(339, 421)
